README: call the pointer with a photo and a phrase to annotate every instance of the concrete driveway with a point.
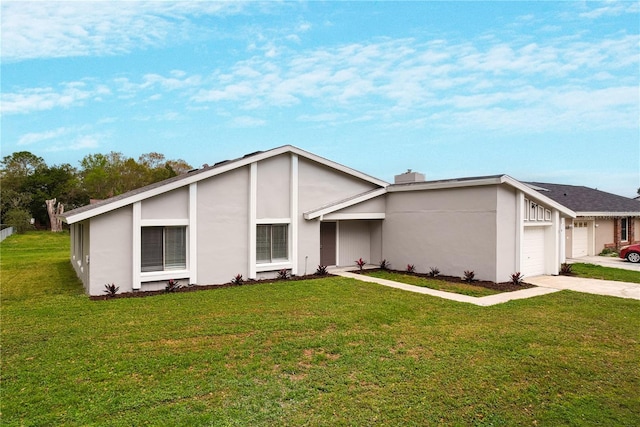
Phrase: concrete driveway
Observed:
(590, 286)
(606, 261)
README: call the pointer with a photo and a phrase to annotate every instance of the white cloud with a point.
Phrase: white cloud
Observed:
(35, 137)
(39, 99)
(65, 29)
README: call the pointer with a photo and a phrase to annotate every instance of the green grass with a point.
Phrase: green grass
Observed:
(605, 273)
(322, 352)
(440, 285)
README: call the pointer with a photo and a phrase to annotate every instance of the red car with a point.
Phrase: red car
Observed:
(631, 253)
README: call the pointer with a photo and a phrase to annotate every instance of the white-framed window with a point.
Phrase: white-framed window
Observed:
(624, 229)
(272, 243)
(163, 248)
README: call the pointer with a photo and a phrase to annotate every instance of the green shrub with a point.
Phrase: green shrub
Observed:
(19, 219)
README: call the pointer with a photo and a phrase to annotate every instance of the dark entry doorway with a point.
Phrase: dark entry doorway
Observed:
(328, 243)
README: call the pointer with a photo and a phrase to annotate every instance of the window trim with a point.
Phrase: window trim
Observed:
(625, 237)
(277, 263)
(165, 272)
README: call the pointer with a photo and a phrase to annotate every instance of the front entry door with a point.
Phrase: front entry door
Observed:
(328, 243)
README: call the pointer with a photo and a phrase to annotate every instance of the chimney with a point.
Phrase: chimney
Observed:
(409, 177)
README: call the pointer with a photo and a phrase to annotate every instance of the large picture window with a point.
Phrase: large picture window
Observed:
(272, 243)
(164, 248)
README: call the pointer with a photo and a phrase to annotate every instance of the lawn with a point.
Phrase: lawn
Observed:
(440, 285)
(605, 273)
(331, 351)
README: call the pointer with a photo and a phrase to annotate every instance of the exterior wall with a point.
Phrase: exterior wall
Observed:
(80, 236)
(506, 228)
(451, 229)
(171, 205)
(636, 230)
(222, 221)
(111, 251)
(354, 242)
(274, 187)
(319, 185)
(377, 205)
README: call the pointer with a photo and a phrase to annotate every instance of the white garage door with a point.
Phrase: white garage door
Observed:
(533, 251)
(580, 239)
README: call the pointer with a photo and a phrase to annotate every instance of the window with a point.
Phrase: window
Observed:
(624, 229)
(164, 248)
(272, 243)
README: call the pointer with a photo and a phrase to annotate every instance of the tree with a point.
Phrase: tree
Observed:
(15, 170)
(19, 219)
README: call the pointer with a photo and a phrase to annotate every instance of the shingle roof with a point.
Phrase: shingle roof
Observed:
(585, 199)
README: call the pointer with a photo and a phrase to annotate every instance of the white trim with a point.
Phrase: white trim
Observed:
(232, 165)
(192, 254)
(608, 214)
(137, 245)
(273, 266)
(539, 224)
(253, 212)
(337, 242)
(321, 212)
(353, 216)
(268, 221)
(294, 214)
(154, 276)
(163, 222)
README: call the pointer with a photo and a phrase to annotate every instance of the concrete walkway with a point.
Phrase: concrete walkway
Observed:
(544, 285)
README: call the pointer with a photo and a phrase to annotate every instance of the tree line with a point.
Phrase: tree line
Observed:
(27, 182)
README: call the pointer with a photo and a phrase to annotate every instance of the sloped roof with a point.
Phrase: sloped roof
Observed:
(588, 201)
(170, 184)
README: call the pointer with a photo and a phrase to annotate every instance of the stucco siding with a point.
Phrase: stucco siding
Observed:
(171, 205)
(274, 187)
(604, 233)
(376, 205)
(453, 230)
(223, 218)
(320, 185)
(354, 242)
(111, 257)
(506, 230)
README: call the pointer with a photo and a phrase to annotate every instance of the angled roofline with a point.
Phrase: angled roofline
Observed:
(345, 203)
(613, 214)
(482, 180)
(171, 184)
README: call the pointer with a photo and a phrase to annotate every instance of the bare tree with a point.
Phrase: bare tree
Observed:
(54, 210)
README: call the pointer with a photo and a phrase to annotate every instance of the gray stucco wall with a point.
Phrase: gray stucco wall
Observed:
(111, 251)
(223, 218)
(274, 187)
(451, 229)
(506, 229)
(171, 205)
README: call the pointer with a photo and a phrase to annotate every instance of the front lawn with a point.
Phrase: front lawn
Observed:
(331, 351)
(605, 273)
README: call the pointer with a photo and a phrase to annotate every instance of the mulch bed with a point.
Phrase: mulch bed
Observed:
(193, 288)
(502, 287)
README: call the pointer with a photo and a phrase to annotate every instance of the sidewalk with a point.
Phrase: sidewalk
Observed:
(544, 285)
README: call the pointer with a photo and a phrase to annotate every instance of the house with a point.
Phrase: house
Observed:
(603, 220)
(290, 209)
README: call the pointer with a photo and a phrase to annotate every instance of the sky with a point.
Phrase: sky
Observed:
(542, 91)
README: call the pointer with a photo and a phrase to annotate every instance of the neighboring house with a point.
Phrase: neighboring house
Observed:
(604, 220)
(290, 209)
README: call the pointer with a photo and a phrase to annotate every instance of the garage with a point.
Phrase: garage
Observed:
(580, 239)
(533, 251)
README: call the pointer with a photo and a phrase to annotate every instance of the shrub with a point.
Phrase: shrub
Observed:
(361, 263)
(321, 270)
(283, 274)
(172, 286)
(565, 268)
(111, 290)
(469, 275)
(516, 278)
(237, 280)
(411, 268)
(385, 265)
(19, 219)
(434, 271)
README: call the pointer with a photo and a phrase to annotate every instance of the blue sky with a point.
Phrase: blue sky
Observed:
(542, 91)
